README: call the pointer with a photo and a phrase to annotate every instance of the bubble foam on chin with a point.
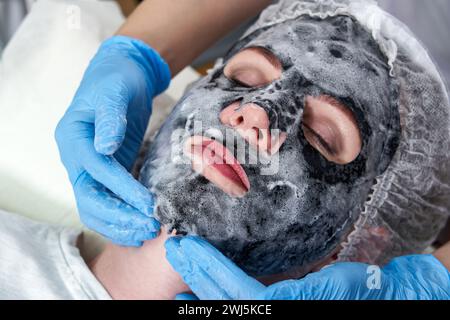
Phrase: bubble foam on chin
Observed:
(299, 214)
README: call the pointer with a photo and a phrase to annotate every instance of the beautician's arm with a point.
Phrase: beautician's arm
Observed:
(180, 30)
(101, 133)
(210, 275)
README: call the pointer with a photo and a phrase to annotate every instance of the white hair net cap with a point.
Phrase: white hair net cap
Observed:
(410, 202)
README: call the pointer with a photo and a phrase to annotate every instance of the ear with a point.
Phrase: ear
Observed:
(373, 242)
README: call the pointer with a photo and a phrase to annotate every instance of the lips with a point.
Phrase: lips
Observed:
(217, 164)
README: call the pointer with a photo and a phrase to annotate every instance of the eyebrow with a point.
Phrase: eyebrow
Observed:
(269, 56)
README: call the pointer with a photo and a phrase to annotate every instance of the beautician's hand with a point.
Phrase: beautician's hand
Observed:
(100, 135)
(210, 275)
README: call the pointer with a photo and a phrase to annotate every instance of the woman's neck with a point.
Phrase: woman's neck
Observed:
(138, 273)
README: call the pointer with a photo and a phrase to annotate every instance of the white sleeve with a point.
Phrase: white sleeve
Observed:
(38, 261)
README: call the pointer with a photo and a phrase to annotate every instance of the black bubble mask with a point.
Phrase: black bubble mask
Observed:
(300, 214)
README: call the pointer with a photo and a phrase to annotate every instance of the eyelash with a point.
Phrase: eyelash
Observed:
(239, 83)
(318, 139)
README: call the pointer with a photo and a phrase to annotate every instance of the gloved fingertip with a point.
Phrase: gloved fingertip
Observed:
(149, 207)
(137, 244)
(197, 244)
(151, 236)
(106, 148)
(185, 296)
(176, 257)
(190, 240)
(154, 226)
(173, 243)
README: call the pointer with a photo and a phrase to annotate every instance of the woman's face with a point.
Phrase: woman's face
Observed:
(328, 125)
(272, 156)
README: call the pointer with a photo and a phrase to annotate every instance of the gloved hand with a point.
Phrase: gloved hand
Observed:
(211, 275)
(100, 135)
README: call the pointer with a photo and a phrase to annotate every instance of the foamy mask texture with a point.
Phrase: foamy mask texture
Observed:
(299, 215)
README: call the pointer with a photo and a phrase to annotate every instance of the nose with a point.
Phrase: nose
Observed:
(252, 123)
(250, 116)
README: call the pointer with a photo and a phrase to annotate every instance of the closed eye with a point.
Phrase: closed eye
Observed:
(235, 80)
(253, 67)
(318, 141)
(331, 128)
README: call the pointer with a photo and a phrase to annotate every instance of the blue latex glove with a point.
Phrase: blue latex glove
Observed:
(100, 135)
(211, 275)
